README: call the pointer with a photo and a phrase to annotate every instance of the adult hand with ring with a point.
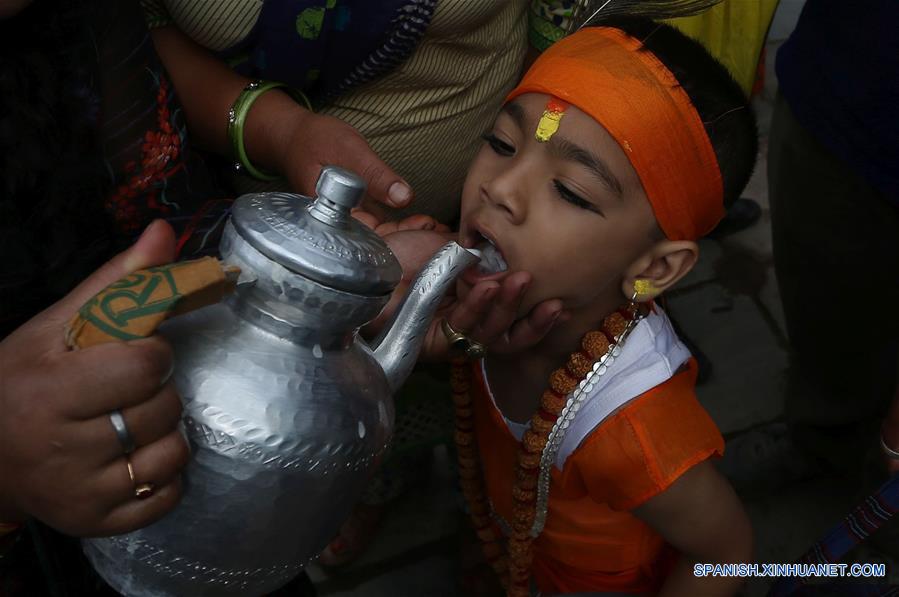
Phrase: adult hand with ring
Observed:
(121, 431)
(61, 453)
(141, 490)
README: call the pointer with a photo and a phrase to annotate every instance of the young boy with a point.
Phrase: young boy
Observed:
(616, 152)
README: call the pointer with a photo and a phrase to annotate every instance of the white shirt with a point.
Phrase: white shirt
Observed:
(649, 357)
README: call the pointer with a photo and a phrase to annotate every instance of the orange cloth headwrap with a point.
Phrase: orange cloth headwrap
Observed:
(606, 74)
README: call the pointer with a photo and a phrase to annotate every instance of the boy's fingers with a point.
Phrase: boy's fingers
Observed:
(367, 218)
(504, 310)
(418, 222)
(533, 328)
(386, 228)
(156, 246)
(466, 315)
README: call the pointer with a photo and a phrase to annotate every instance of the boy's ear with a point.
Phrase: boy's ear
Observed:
(661, 267)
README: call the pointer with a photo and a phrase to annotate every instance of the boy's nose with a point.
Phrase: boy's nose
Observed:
(507, 193)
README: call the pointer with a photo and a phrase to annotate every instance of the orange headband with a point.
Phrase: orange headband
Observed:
(606, 74)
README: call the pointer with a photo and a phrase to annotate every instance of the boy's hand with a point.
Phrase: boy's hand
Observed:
(416, 222)
(60, 458)
(487, 314)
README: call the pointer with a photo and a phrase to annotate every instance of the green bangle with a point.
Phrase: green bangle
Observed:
(237, 116)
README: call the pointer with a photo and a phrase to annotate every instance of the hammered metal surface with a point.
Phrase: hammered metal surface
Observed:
(286, 412)
(290, 303)
(282, 439)
(339, 253)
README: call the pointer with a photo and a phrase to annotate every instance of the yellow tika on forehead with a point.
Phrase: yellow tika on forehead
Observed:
(608, 75)
(550, 120)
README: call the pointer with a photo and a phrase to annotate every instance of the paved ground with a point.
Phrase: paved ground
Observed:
(729, 306)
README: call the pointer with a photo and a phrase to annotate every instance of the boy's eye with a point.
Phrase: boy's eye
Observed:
(573, 198)
(499, 146)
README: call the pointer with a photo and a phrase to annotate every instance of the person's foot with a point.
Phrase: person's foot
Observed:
(354, 537)
(742, 214)
(766, 458)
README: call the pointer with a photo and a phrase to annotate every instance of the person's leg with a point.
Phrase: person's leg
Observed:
(836, 256)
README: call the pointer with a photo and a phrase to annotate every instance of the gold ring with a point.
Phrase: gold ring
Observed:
(475, 350)
(141, 490)
(462, 344)
(457, 340)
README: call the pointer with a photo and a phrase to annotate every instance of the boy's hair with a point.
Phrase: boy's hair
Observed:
(717, 97)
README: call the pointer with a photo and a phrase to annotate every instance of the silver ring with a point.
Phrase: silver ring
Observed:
(890, 452)
(121, 431)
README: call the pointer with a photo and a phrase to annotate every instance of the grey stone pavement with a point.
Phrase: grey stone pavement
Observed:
(729, 306)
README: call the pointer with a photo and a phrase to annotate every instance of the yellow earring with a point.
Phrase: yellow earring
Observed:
(644, 289)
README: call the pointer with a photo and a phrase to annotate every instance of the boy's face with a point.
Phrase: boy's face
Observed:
(571, 211)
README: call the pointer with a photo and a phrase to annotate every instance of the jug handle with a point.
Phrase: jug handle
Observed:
(134, 306)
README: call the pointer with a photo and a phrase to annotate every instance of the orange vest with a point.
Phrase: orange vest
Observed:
(591, 541)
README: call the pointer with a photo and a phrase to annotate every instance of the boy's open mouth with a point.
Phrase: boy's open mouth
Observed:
(492, 261)
(492, 265)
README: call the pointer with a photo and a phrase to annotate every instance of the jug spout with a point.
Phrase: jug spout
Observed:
(396, 348)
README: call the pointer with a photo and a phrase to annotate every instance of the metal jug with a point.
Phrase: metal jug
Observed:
(286, 408)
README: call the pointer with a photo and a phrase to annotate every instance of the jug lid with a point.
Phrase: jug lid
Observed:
(318, 238)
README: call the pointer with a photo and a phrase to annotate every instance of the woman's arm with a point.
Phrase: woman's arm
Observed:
(279, 134)
(702, 517)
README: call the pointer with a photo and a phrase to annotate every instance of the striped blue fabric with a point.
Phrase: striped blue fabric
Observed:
(874, 512)
(408, 28)
(326, 49)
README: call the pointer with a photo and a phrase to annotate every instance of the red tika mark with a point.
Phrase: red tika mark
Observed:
(556, 105)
